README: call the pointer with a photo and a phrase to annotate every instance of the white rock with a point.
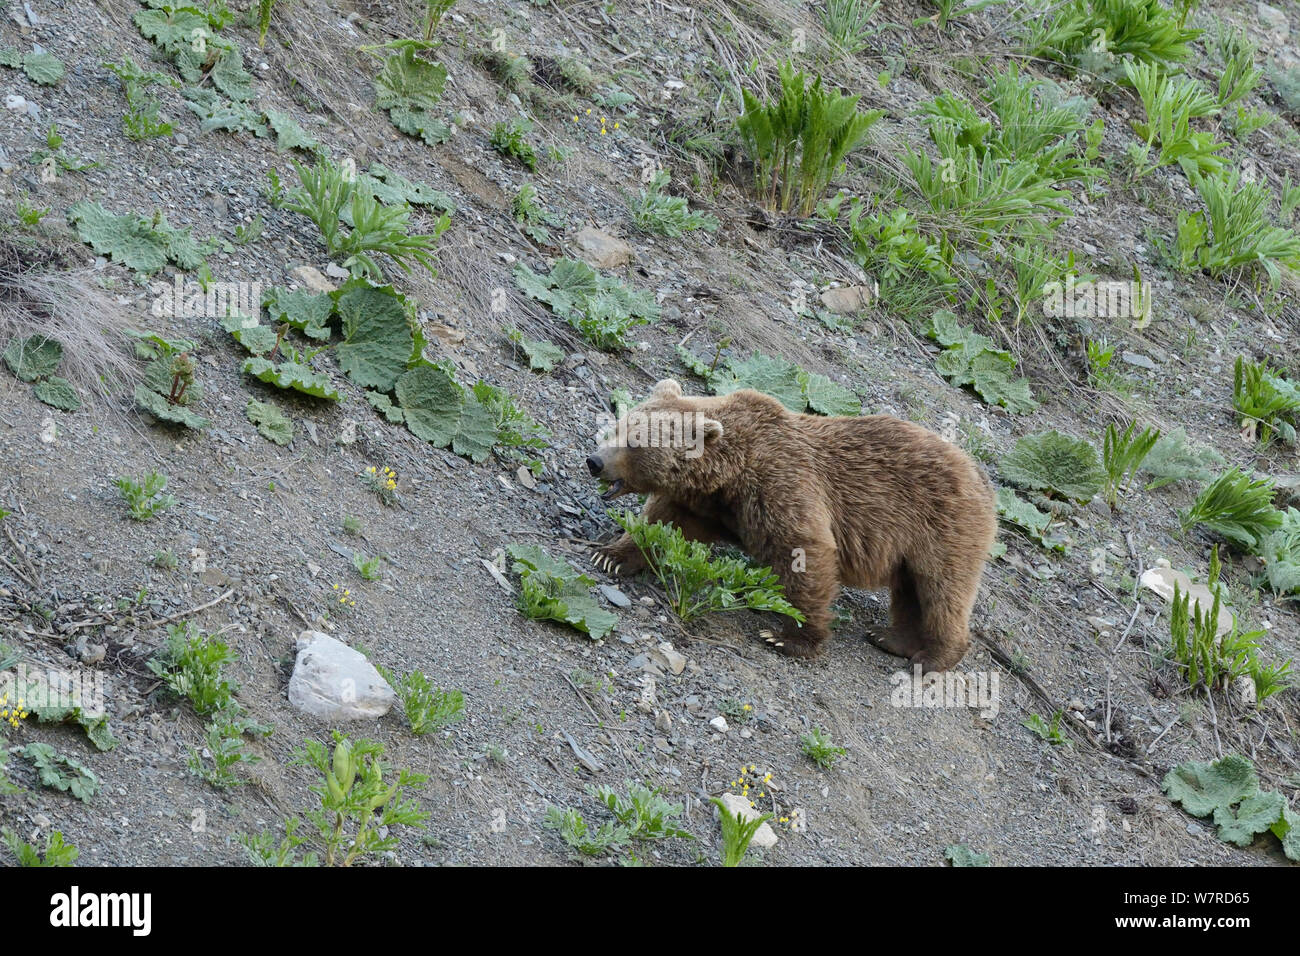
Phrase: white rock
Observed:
(1162, 579)
(719, 724)
(764, 837)
(16, 103)
(601, 250)
(332, 681)
(312, 278)
(670, 658)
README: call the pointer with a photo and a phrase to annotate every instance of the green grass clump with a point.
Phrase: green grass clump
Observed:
(1233, 233)
(737, 832)
(56, 852)
(1097, 35)
(697, 583)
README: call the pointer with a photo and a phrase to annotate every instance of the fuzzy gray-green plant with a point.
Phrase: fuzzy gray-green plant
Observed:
(817, 744)
(427, 708)
(655, 211)
(56, 852)
(145, 498)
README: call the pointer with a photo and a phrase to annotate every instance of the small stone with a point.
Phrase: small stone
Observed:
(670, 658)
(16, 103)
(601, 250)
(615, 596)
(663, 721)
(312, 279)
(1140, 360)
(525, 478)
(764, 837)
(719, 724)
(846, 300)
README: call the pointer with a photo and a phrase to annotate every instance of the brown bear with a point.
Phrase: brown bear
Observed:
(868, 502)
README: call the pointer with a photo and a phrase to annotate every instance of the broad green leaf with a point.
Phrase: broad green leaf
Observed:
(158, 376)
(551, 590)
(771, 376)
(1014, 509)
(443, 413)
(542, 356)
(158, 406)
(33, 357)
(307, 312)
(300, 378)
(1203, 788)
(43, 68)
(959, 854)
(1287, 829)
(270, 421)
(288, 134)
(1257, 813)
(377, 341)
(1051, 461)
(229, 76)
(826, 397)
(59, 393)
(393, 189)
(258, 339)
(381, 403)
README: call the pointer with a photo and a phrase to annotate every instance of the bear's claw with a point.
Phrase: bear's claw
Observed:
(606, 564)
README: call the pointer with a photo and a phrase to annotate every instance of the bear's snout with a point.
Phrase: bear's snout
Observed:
(595, 466)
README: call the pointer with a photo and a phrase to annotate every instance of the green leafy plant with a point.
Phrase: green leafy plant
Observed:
(264, 8)
(1236, 234)
(517, 432)
(551, 590)
(272, 424)
(326, 196)
(542, 356)
(959, 854)
(62, 773)
(427, 708)
(359, 813)
(368, 568)
(1034, 523)
(892, 248)
(532, 217)
(1268, 403)
(144, 245)
(145, 498)
(192, 665)
(56, 852)
(578, 834)
(409, 87)
(35, 359)
(696, 583)
(142, 119)
(1050, 732)
(737, 832)
(1236, 506)
(225, 749)
(510, 138)
(817, 745)
(797, 389)
(655, 211)
(603, 309)
(1171, 103)
(970, 358)
(849, 23)
(799, 139)
(434, 11)
(1122, 456)
(439, 410)
(1096, 35)
(1206, 789)
(643, 815)
(1281, 555)
(1055, 463)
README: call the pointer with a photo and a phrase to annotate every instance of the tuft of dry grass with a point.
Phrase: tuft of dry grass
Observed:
(41, 295)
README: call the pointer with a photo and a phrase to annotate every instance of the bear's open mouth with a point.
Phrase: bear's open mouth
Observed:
(614, 490)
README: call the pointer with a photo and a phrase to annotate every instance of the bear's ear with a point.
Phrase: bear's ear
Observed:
(711, 428)
(667, 388)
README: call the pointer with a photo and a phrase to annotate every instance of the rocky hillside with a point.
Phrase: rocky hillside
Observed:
(362, 283)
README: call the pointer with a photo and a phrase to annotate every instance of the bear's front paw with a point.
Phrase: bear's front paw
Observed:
(795, 645)
(619, 561)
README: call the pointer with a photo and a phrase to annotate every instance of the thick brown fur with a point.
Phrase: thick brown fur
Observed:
(869, 502)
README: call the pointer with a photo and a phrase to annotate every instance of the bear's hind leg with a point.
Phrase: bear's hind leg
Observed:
(904, 637)
(945, 621)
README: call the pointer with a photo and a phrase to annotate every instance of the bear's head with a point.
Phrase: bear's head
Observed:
(662, 445)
